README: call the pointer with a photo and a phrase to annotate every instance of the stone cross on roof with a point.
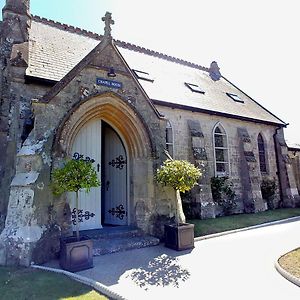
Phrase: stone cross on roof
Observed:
(108, 22)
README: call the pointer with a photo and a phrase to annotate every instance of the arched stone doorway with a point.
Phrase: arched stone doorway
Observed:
(106, 129)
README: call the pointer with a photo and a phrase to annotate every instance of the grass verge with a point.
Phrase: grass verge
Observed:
(27, 283)
(209, 226)
(291, 262)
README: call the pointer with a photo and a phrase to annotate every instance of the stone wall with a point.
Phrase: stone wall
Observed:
(13, 104)
(242, 141)
(16, 120)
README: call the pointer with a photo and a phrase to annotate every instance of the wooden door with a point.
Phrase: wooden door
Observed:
(115, 179)
(87, 145)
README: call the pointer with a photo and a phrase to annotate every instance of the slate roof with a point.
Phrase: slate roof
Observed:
(56, 48)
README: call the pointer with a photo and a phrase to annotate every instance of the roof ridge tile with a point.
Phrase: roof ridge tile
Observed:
(122, 44)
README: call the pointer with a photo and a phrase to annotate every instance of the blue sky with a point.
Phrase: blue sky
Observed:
(254, 42)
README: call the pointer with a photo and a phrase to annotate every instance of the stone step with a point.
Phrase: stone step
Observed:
(113, 232)
(111, 245)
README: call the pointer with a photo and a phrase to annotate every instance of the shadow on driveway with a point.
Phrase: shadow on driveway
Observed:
(162, 270)
(154, 266)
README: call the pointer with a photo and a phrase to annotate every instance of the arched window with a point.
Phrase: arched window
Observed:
(261, 154)
(221, 151)
(169, 139)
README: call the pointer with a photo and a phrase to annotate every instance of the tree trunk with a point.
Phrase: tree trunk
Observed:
(180, 217)
(77, 219)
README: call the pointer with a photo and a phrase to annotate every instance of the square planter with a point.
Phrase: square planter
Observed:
(179, 237)
(76, 255)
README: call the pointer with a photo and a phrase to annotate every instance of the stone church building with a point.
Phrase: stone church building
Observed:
(69, 93)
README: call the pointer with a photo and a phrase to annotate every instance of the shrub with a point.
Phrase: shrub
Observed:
(223, 193)
(268, 188)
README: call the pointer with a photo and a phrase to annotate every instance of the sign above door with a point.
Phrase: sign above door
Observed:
(109, 83)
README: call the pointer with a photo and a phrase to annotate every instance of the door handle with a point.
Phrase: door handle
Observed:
(107, 185)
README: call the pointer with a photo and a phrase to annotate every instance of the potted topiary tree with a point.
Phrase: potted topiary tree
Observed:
(181, 176)
(76, 252)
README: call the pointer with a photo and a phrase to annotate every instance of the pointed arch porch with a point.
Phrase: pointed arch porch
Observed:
(114, 110)
(133, 132)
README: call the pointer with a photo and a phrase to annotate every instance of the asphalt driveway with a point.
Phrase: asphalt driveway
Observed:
(235, 266)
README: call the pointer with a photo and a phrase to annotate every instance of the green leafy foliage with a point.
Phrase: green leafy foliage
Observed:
(268, 188)
(75, 175)
(220, 187)
(223, 193)
(179, 174)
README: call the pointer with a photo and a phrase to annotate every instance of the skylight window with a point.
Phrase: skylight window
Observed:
(143, 75)
(236, 98)
(194, 88)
